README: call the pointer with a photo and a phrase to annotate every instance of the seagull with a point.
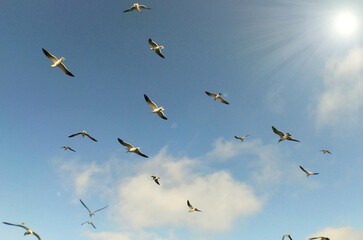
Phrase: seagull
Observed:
(325, 151)
(155, 108)
(191, 209)
(321, 238)
(28, 231)
(241, 138)
(137, 7)
(216, 96)
(131, 148)
(156, 179)
(286, 235)
(84, 133)
(66, 147)
(307, 172)
(156, 48)
(283, 136)
(90, 223)
(91, 213)
(57, 62)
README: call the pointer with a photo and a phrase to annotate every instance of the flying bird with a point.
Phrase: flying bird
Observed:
(67, 147)
(28, 231)
(83, 133)
(90, 223)
(137, 7)
(321, 238)
(156, 179)
(217, 96)
(57, 62)
(307, 172)
(191, 209)
(156, 48)
(286, 235)
(283, 136)
(131, 148)
(241, 138)
(325, 151)
(155, 108)
(90, 212)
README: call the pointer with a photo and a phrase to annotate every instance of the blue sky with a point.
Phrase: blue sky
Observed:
(277, 62)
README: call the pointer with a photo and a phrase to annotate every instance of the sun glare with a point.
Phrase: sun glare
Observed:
(345, 23)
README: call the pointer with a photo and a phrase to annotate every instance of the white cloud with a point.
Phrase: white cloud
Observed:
(264, 160)
(342, 99)
(341, 233)
(82, 175)
(222, 199)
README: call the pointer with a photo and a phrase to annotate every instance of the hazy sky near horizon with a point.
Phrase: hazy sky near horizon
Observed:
(279, 63)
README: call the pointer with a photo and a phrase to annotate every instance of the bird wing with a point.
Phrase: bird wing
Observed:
(158, 52)
(93, 225)
(304, 170)
(71, 149)
(100, 209)
(74, 134)
(314, 173)
(157, 181)
(140, 153)
(222, 100)
(152, 43)
(84, 223)
(144, 7)
(196, 209)
(130, 9)
(162, 115)
(85, 206)
(210, 94)
(237, 137)
(36, 234)
(50, 56)
(65, 70)
(291, 139)
(281, 134)
(18, 225)
(189, 205)
(90, 137)
(150, 103)
(289, 237)
(128, 145)
(328, 151)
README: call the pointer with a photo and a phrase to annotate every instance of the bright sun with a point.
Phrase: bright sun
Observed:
(345, 23)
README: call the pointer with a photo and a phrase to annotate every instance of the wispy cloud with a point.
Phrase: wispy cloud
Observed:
(82, 176)
(341, 100)
(341, 233)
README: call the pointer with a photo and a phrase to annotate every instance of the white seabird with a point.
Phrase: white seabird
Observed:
(286, 235)
(156, 179)
(241, 138)
(67, 147)
(137, 7)
(325, 151)
(217, 96)
(90, 223)
(28, 231)
(156, 48)
(90, 212)
(307, 172)
(155, 108)
(191, 209)
(131, 148)
(283, 136)
(57, 62)
(83, 133)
